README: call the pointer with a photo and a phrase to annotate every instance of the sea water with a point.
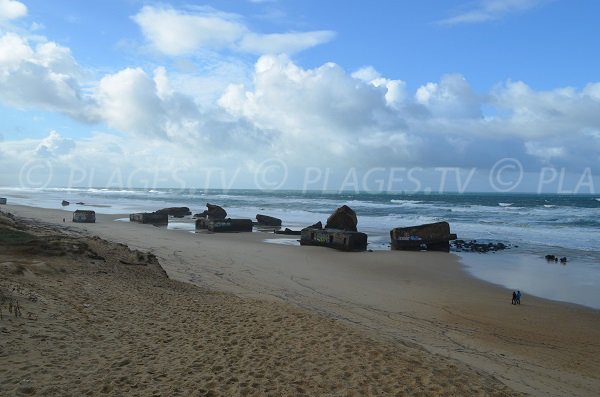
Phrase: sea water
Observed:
(533, 225)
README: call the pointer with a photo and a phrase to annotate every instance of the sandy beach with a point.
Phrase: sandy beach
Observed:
(239, 316)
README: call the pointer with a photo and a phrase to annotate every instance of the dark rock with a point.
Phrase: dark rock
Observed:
(550, 258)
(213, 212)
(177, 212)
(317, 225)
(474, 246)
(563, 259)
(289, 232)
(65, 203)
(268, 220)
(80, 203)
(343, 218)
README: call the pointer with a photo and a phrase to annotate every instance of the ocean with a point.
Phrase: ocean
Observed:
(532, 225)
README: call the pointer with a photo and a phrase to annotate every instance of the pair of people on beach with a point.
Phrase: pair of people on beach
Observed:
(516, 298)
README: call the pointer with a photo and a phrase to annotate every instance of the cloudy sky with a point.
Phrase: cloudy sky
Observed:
(281, 93)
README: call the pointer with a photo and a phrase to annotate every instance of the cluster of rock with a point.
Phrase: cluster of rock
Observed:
(555, 259)
(474, 246)
(2, 200)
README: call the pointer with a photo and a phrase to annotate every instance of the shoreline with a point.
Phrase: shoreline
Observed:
(423, 299)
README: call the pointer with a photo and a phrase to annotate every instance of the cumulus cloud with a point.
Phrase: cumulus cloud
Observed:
(363, 118)
(12, 9)
(487, 10)
(44, 77)
(323, 110)
(129, 101)
(324, 116)
(452, 97)
(176, 32)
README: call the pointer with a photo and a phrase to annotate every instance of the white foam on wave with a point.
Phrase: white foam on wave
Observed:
(367, 204)
(505, 204)
(395, 201)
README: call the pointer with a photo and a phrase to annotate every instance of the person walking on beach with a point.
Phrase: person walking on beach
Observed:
(518, 298)
(514, 298)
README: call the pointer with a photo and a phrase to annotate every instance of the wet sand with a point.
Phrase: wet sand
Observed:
(422, 306)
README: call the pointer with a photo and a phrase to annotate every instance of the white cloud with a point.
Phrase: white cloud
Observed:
(451, 98)
(173, 32)
(44, 77)
(287, 43)
(323, 116)
(54, 145)
(176, 32)
(487, 10)
(13, 50)
(129, 101)
(12, 9)
(395, 89)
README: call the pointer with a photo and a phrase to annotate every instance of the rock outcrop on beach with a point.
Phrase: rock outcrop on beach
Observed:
(65, 203)
(177, 212)
(266, 220)
(213, 212)
(553, 258)
(343, 218)
(474, 246)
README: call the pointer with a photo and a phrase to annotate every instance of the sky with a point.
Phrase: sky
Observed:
(434, 95)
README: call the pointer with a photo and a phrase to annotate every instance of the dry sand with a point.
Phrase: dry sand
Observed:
(381, 323)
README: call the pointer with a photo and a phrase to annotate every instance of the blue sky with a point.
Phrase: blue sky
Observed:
(102, 90)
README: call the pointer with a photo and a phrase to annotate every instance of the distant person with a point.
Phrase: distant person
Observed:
(514, 298)
(518, 298)
(64, 220)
